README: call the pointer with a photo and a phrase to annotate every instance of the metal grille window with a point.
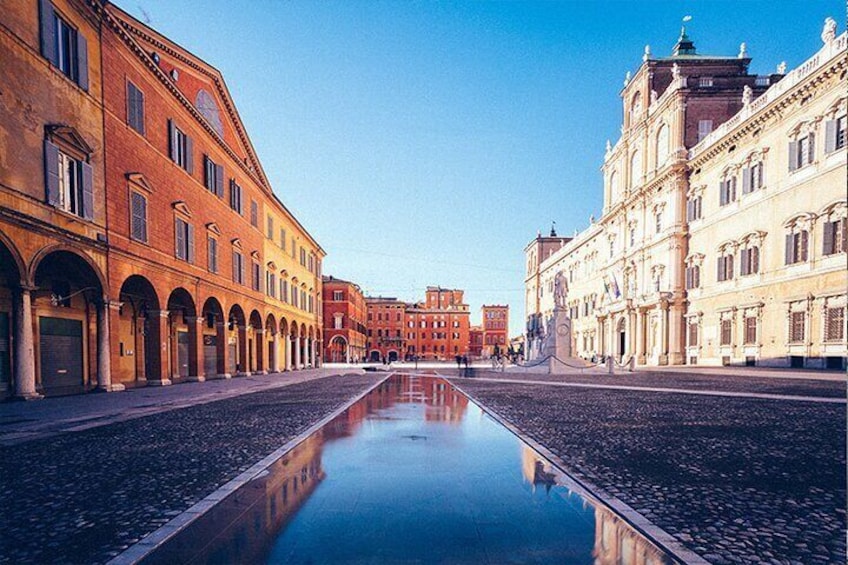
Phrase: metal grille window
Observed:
(834, 324)
(726, 332)
(750, 330)
(797, 322)
(138, 228)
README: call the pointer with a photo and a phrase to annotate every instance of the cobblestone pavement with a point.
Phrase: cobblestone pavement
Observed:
(83, 497)
(830, 386)
(737, 480)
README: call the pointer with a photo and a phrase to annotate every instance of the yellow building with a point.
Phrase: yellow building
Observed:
(628, 272)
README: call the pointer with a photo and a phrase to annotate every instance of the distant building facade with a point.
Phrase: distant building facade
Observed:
(495, 329)
(713, 247)
(438, 328)
(475, 341)
(345, 315)
(140, 240)
(385, 328)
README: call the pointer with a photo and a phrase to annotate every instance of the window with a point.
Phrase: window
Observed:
(303, 257)
(797, 322)
(138, 217)
(63, 45)
(255, 282)
(212, 254)
(834, 134)
(693, 333)
(834, 237)
(238, 267)
(750, 260)
(213, 176)
(236, 198)
(270, 227)
(704, 128)
(69, 179)
(727, 191)
(635, 169)
(283, 239)
(180, 147)
(693, 277)
(705, 82)
(632, 237)
(270, 283)
(725, 267)
(750, 330)
(338, 295)
(658, 221)
(284, 289)
(662, 145)
(294, 296)
(135, 108)
(802, 151)
(184, 240)
(693, 208)
(726, 332)
(254, 214)
(834, 324)
(752, 178)
(338, 322)
(796, 246)
(311, 265)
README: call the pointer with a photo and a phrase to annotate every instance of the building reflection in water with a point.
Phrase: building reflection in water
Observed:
(244, 526)
(616, 542)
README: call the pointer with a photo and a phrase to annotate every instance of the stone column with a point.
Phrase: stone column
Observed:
(260, 351)
(663, 309)
(160, 327)
(221, 337)
(24, 349)
(242, 370)
(296, 346)
(640, 336)
(275, 347)
(104, 350)
(675, 334)
(195, 351)
(287, 352)
(633, 334)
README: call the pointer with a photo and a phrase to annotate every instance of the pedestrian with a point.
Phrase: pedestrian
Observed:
(458, 362)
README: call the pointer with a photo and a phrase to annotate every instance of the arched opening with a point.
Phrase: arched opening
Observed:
(182, 335)
(11, 274)
(302, 346)
(214, 335)
(236, 341)
(375, 356)
(337, 351)
(256, 343)
(139, 331)
(67, 302)
(393, 356)
(271, 343)
(284, 351)
(295, 347)
(621, 330)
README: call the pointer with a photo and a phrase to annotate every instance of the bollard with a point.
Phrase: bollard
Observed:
(610, 365)
(632, 364)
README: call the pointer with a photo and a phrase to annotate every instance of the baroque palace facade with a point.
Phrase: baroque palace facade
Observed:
(140, 240)
(722, 238)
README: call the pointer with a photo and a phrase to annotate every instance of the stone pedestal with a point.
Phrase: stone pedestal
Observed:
(557, 347)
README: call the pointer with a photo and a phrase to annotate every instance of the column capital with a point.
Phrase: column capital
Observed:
(159, 313)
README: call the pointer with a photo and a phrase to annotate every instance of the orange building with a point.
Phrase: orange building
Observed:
(385, 328)
(344, 321)
(475, 341)
(439, 327)
(495, 329)
(140, 240)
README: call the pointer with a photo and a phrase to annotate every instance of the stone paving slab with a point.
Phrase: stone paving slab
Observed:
(827, 387)
(85, 496)
(737, 480)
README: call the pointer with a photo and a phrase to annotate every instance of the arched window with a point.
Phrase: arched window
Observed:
(613, 186)
(662, 145)
(635, 169)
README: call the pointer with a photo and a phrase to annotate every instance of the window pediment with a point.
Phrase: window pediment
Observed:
(213, 227)
(255, 255)
(236, 243)
(181, 207)
(138, 181)
(68, 137)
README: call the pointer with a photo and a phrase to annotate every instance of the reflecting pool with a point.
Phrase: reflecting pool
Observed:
(412, 473)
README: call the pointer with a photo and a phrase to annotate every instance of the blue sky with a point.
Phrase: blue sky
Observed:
(425, 143)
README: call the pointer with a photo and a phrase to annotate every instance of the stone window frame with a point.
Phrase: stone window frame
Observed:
(749, 241)
(755, 312)
(213, 233)
(695, 193)
(728, 185)
(693, 265)
(725, 256)
(839, 301)
(182, 215)
(694, 320)
(793, 308)
(799, 223)
(834, 212)
(804, 129)
(838, 110)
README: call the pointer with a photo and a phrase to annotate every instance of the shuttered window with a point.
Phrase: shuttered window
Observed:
(834, 237)
(236, 197)
(283, 239)
(213, 176)
(254, 214)
(802, 151)
(69, 182)
(270, 230)
(834, 136)
(727, 191)
(796, 247)
(725, 268)
(238, 267)
(693, 333)
(180, 147)
(184, 240)
(63, 45)
(138, 228)
(256, 283)
(693, 208)
(212, 254)
(749, 260)
(135, 108)
(726, 332)
(750, 330)
(693, 277)
(797, 322)
(834, 324)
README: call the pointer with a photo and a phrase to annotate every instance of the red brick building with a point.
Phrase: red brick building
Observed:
(385, 328)
(495, 329)
(140, 240)
(475, 341)
(344, 321)
(438, 328)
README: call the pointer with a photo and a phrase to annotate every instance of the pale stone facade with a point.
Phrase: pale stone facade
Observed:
(628, 272)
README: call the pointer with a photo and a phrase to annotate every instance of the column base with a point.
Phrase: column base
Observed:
(242, 374)
(195, 379)
(662, 360)
(641, 359)
(159, 382)
(675, 359)
(28, 396)
(263, 372)
(118, 387)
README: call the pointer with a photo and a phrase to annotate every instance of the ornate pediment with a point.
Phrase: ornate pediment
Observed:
(138, 181)
(213, 227)
(68, 136)
(236, 243)
(181, 207)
